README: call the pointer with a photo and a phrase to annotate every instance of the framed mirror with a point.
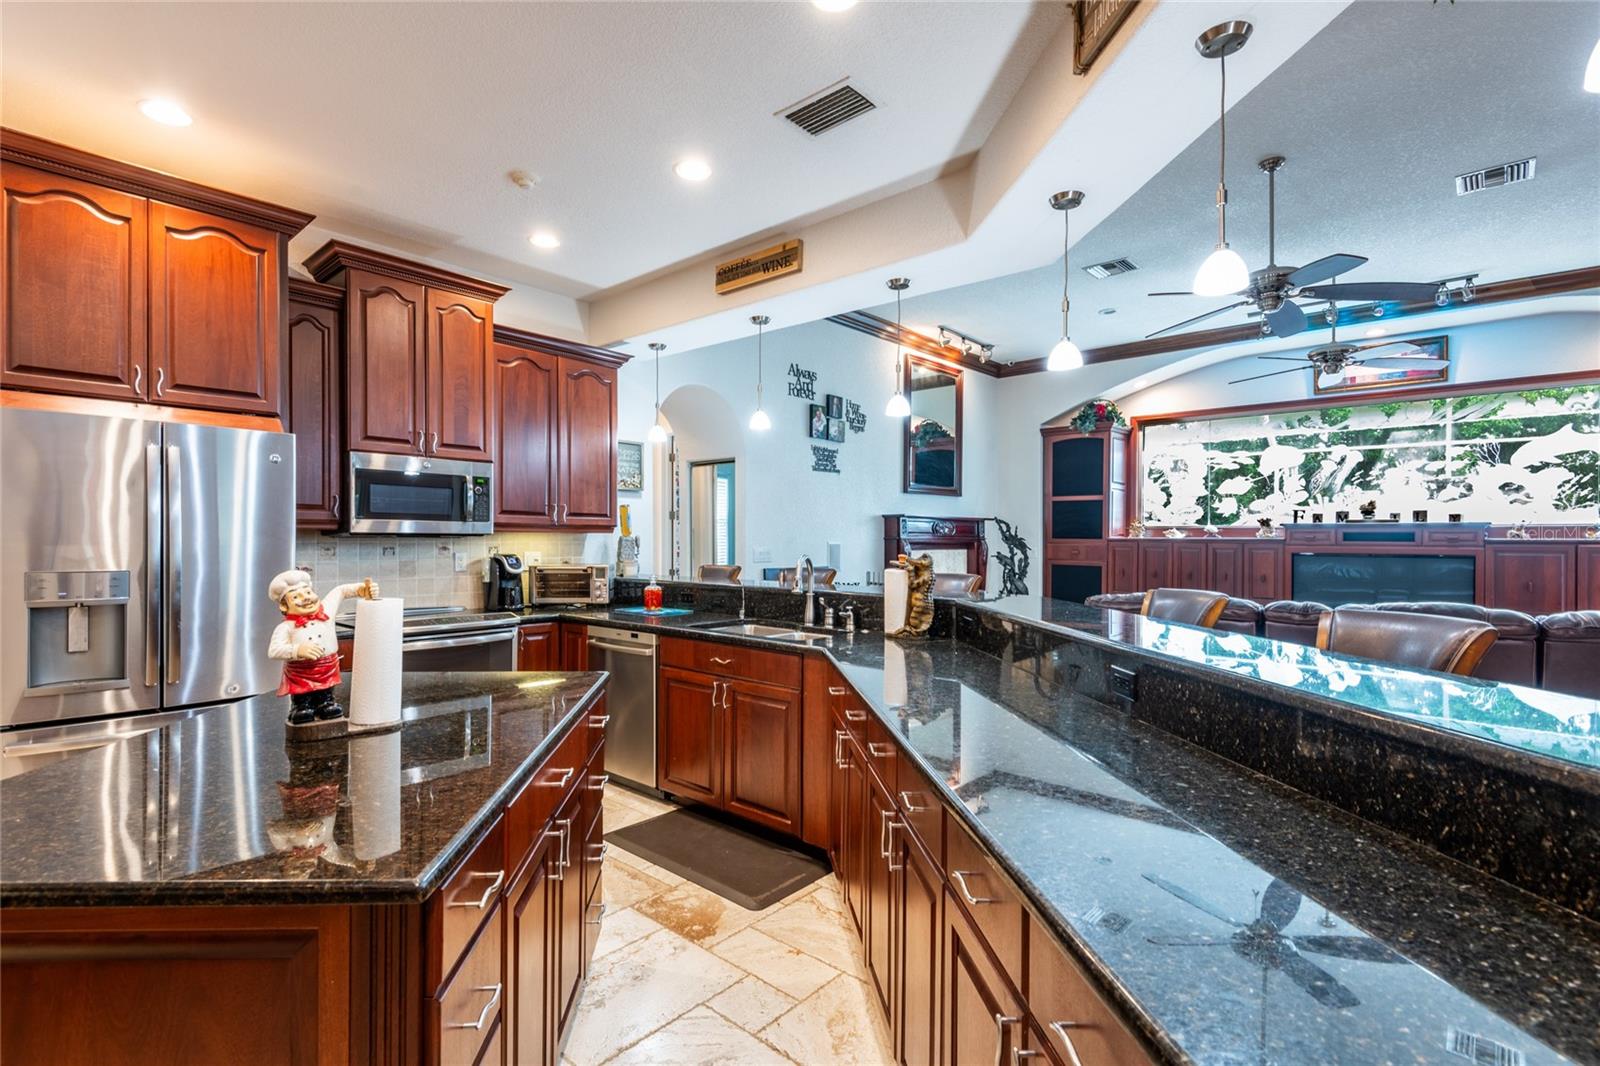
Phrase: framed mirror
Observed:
(933, 429)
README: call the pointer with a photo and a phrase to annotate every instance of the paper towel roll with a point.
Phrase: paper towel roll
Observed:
(375, 794)
(375, 684)
(894, 599)
(894, 674)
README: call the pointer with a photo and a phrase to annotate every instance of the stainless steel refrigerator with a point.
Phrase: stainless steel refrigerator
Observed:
(134, 562)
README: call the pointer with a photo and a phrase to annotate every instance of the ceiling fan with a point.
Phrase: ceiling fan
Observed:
(1273, 288)
(1331, 360)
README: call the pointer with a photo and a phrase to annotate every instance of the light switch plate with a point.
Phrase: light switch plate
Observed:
(761, 555)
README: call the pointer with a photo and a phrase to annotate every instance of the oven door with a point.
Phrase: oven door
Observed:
(494, 650)
(413, 494)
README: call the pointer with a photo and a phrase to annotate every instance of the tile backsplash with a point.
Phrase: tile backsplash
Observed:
(422, 570)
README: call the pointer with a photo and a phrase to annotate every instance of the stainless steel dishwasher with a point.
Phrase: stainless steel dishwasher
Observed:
(629, 656)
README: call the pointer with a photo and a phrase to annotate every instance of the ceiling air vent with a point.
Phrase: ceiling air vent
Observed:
(1110, 268)
(1494, 177)
(833, 107)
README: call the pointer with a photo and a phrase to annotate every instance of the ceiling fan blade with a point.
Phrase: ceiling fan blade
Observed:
(1275, 373)
(1408, 358)
(1329, 266)
(1196, 318)
(1170, 294)
(1285, 359)
(1318, 983)
(1287, 320)
(1279, 904)
(1400, 291)
(1192, 900)
(1362, 948)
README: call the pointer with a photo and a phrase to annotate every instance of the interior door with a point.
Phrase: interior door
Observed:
(229, 528)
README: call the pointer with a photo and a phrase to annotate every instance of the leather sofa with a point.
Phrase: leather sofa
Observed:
(1569, 648)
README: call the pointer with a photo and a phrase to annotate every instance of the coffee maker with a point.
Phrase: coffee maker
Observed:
(505, 582)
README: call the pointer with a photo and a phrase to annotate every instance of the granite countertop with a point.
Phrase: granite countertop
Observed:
(218, 808)
(1234, 919)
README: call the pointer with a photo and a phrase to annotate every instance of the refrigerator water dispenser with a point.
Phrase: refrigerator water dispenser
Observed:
(77, 630)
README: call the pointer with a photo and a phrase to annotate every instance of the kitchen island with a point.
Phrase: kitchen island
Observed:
(208, 893)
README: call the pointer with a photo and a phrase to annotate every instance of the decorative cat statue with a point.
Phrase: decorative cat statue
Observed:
(919, 594)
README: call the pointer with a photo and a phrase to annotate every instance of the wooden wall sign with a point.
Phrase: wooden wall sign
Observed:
(761, 266)
(1097, 22)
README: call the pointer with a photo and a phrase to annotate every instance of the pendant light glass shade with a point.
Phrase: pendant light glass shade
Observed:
(759, 420)
(1064, 356)
(898, 406)
(1222, 274)
(658, 432)
(1591, 73)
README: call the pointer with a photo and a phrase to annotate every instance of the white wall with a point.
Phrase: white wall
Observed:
(783, 507)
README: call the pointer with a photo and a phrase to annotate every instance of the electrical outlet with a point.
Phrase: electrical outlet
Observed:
(330, 550)
(442, 549)
(390, 551)
(761, 555)
(1124, 683)
(461, 562)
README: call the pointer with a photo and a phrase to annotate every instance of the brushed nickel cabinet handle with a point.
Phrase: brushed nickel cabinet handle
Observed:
(1018, 1054)
(597, 782)
(838, 749)
(161, 380)
(599, 721)
(483, 1016)
(488, 893)
(961, 881)
(721, 662)
(1060, 1029)
(336, 505)
(138, 380)
(434, 447)
(837, 690)
(883, 833)
(912, 808)
(894, 867)
(566, 775)
(855, 716)
(880, 751)
(1000, 1023)
(597, 917)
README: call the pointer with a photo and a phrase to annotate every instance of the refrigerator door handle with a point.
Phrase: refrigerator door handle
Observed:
(152, 565)
(174, 598)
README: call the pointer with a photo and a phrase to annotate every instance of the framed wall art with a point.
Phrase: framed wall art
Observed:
(630, 466)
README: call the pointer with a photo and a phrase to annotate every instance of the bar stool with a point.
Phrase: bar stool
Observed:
(956, 586)
(718, 575)
(1192, 607)
(1421, 641)
(823, 575)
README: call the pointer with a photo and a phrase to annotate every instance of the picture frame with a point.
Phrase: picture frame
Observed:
(819, 422)
(835, 405)
(630, 466)
(836, 430)
(1376, 378)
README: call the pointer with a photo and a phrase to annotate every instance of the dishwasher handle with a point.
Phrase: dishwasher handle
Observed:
(623, 649)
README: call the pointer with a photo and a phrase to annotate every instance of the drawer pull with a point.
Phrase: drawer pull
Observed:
(599, 721)
(839, 760)
(1060, 1029)
(721, 661)
(894, 867)
(880, 751)
(597, 782)
(488, 893)
(912, 808)
(557, 870)
(598, 917)
(884, 837)
(566, 775)
(961, 881)
(1000, 1023)
(600, 856)
(837, 690)
(855, 716)
(1018, 1054)
(483, 1016)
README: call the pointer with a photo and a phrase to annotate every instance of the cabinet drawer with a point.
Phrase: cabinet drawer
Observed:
(467, 899)
(1093, 551)
(591, 819)
(1067, 1009)
(550, 784)
(920, 808)
(465, 1012)
(986, 895)
(880, 752)
(1463, 539)
(1311, 536)
(727, 660)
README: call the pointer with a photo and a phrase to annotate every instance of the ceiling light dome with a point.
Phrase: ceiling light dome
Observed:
(1064, 356)
(692, 168)
(760, 422)
(1591, 73)
(167, 112)
(544, 239)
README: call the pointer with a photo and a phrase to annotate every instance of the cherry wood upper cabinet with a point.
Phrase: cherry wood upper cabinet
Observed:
(216, 311)
(588, 444)
(384, 338)
(527, 396)
(312, 407)
(74, 293)
(129, 284)
(421, 364)
(459, 376)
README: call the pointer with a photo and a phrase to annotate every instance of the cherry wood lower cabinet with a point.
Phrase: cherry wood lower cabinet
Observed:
(1588, 577)
(1532, 577)
(538, 646)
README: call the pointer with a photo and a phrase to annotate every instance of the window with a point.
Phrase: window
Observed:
(1494, 457)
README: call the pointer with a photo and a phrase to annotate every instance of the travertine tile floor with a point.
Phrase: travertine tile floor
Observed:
(682, 976)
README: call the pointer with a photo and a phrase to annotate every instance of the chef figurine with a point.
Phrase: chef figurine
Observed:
(308, 643)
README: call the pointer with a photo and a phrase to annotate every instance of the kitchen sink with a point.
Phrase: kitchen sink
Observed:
(765, 631)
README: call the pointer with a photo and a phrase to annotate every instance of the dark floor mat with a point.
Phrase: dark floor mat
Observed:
(737, 864)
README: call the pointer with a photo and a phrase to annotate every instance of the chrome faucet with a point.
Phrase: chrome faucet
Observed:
(804, 564)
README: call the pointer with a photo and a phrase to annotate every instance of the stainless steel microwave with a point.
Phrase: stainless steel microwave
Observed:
(419, 494)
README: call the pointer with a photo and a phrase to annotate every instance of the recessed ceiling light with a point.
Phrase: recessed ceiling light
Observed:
(1106, 311)
(692, 168)
(166, 112)
(543, 238)
(1377, 331)
(833, 5)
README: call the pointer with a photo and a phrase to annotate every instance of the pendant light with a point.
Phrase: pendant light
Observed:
(1223, 272)
(658, 432)
(1065, 355)
(759, 421)
(898, 406)
(1591, 73)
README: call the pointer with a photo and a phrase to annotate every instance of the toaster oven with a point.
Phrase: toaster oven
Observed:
(588, 583)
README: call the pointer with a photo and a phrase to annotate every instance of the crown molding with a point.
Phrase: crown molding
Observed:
(541, 342)
(306, 291)
(326, 262)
